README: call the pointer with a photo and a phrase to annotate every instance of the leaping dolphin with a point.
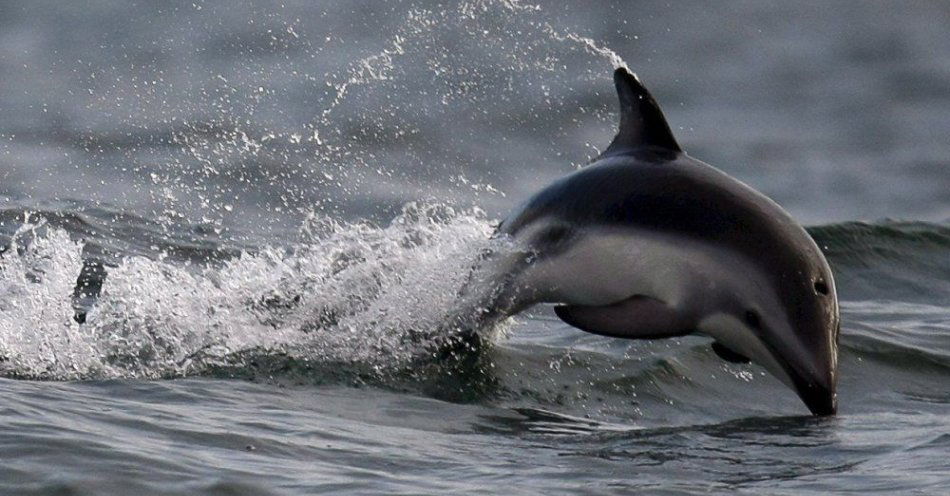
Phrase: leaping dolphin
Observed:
(647, 242)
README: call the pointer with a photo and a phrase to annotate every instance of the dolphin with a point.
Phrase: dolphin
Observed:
(647, 242)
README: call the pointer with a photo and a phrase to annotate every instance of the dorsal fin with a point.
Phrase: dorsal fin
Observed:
(641, 120)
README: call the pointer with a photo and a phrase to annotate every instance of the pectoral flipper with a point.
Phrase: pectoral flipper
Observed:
(637, 317)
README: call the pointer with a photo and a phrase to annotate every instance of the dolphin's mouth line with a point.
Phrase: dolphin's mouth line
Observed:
(820, 400)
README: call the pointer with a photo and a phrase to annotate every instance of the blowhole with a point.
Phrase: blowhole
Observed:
(821, 287)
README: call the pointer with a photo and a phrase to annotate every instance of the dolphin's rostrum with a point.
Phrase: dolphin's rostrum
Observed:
(647, 242)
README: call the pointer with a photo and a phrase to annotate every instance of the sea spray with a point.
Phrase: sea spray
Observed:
(347, 292)
(407, 119)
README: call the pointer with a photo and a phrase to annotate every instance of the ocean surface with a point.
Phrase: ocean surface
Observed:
(287, 196)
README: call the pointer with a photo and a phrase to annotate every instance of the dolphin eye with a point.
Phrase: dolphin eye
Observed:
(821, 287)
(752, 319)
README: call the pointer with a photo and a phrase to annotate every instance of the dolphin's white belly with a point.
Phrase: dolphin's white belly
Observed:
(603, 265)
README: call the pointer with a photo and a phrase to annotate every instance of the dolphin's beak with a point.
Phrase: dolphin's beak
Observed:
(815, 378)
(806, 362)
(821, 399)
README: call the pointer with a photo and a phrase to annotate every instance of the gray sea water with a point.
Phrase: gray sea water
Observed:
(287, 195)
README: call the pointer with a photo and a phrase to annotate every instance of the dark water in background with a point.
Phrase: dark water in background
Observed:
(218, 155)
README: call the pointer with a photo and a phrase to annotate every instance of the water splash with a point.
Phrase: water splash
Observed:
(406, 121)
(421, 23)
(588, 44)
(37, 275)
(349, 292)
(355, 291)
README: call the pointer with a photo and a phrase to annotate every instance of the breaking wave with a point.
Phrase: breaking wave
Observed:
(348, 292)
(369, 297)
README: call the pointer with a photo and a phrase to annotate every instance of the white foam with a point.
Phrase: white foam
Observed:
(355, 292)
(38, 337)
(350, 292)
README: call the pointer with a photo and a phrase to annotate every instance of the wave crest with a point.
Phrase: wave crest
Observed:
(349, 292)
